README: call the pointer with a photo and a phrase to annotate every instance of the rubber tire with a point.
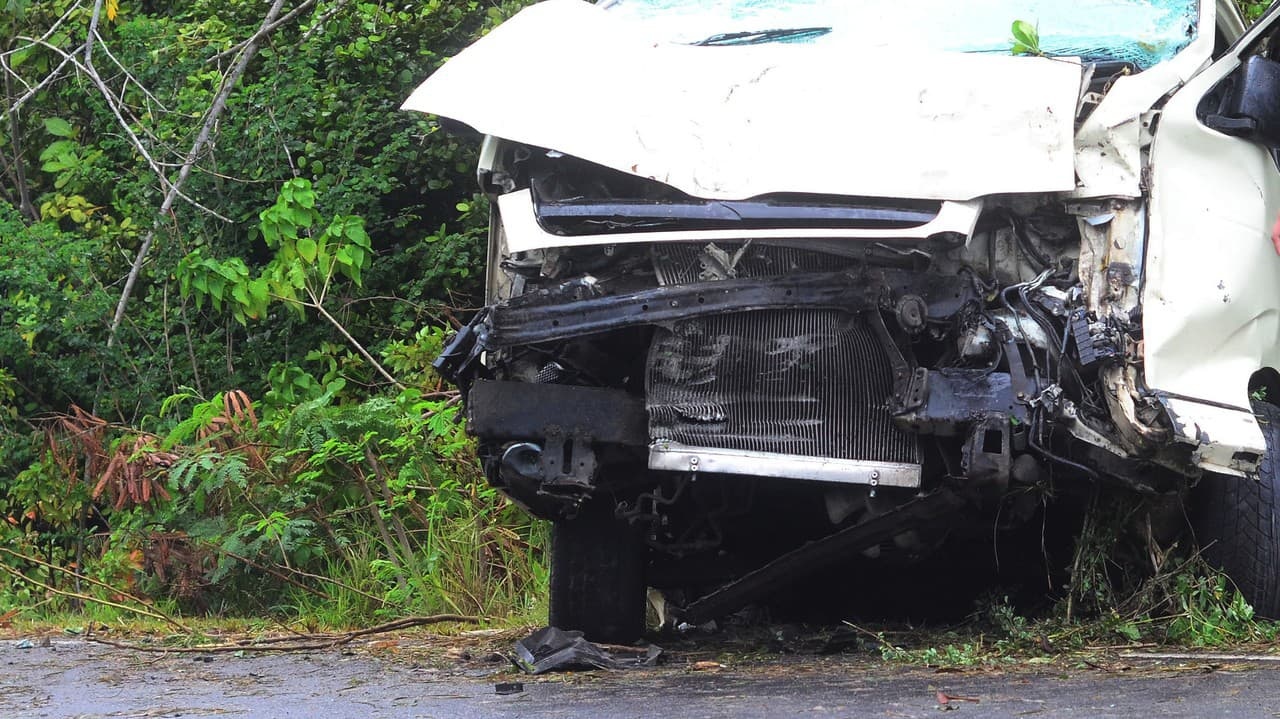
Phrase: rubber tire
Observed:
(597, 576)
(1237, 522)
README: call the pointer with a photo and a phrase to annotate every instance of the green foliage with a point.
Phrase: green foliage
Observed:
(51, 304)
(303, 267)
(1026, 39)
(1211, 612)
(323, 198)
(381, 493)
(1253, 9)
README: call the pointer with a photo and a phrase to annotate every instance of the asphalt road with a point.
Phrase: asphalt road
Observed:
(74, 678)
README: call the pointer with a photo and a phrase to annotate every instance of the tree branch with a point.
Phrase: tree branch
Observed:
(24, 193)
(320, 21)
(31, 91)
(87, 598)
(294, 644)
(263, 31)
(124, 124)
(93, 33)
(359, 347)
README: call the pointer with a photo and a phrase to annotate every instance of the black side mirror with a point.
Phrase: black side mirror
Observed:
(1249, 103)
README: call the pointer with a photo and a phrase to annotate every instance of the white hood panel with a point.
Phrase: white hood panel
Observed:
(732, 123)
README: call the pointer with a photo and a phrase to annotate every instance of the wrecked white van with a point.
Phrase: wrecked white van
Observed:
(777, 282)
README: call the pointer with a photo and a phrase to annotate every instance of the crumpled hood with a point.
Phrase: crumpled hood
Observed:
(738, 122)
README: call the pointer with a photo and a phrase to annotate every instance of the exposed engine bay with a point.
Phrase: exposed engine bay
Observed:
(696, 382)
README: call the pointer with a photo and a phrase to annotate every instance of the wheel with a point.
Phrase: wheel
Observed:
(1238, 525)
(597, 576)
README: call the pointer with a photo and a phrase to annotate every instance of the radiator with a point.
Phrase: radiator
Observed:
(797, 382)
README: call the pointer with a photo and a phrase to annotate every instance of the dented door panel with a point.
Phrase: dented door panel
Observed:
(1211, 313)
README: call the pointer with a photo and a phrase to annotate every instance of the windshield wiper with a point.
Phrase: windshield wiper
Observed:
(756, 37)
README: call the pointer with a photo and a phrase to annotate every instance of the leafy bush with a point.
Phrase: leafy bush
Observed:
(316, 199)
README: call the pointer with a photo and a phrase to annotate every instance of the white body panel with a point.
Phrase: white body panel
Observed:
(1108, 143)
(730, 122)
(1211, 300)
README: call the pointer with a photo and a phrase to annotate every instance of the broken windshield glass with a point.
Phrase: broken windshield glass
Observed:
(1141, 32)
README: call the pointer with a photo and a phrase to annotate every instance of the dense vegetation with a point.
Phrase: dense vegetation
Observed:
(228, 260)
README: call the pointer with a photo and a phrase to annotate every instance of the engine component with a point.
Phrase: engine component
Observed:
(959, 397)
(987, 455)
(683, 458)
(976, 343)
(1095, 341)
(911, 312)
(506, 411)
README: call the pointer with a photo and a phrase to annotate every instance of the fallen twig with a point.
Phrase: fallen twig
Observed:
(1203, 656)
(884, 643)
(281, 644)
(154, 614)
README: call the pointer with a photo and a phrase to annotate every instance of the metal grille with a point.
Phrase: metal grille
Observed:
(794, 382)
(678, 264)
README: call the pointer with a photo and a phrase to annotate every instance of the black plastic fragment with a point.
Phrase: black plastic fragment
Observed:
(553, 649)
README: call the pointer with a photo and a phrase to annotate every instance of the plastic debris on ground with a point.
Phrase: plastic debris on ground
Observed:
(552, 649)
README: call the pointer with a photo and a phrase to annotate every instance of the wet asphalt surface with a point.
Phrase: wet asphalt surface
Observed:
(74, 678)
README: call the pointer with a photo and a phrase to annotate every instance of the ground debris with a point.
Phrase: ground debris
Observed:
(552, 649)
(945, 698)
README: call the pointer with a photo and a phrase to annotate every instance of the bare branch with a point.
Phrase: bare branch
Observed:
(128, 75)
(320, 21)
(262, 32)
(93, 33)
(24, 192)
(47, 33)
(147, 610)
(124, 124)
(315, 304)
(32, 91)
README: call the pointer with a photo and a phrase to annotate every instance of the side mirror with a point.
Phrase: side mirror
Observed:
(1249, 105)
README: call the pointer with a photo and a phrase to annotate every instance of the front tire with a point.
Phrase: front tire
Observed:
(597, 576)
(1238, 523)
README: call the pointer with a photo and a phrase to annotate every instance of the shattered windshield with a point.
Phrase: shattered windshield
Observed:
(1142, 32)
